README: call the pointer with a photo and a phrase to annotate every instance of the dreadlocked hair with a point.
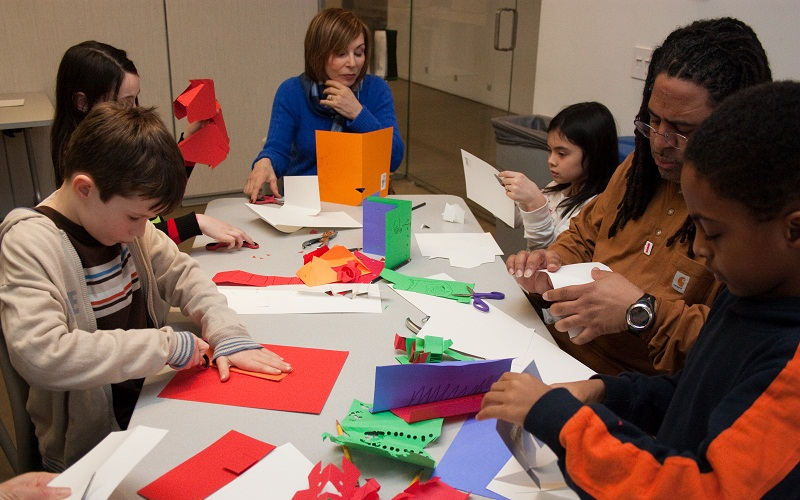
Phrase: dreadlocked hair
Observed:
(721, 55)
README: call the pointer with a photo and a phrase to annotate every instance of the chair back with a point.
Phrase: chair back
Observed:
(24, 456)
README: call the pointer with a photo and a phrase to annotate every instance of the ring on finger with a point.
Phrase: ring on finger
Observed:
(330, 97)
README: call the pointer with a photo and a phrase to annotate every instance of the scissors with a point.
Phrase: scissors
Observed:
(266, 200)
(322, 240)
(477, 298)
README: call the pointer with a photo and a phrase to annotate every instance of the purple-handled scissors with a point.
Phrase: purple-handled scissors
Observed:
(477, 298)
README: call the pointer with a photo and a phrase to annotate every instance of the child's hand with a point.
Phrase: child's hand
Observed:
(585, 391)
(254, 360)
(512, 397)
(180, 351)
(222, 231)
(522, 190)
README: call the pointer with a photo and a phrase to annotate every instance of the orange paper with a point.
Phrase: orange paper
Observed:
(352, 166)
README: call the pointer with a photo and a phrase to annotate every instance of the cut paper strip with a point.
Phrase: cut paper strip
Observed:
(387, 435)
(290, 221)
(453, 213)
(474, 458)
(314, 372)
(433, 489)
(335, 483)
(483, 188)
(210, 145)
(353, 166)
(107, 464)
(387, 229)
(440, 409)
(282, 473)
(301, 299)
(242, 278)
(438, 288)
(397, 386)
(209, 470)
(574, 274)
(466, 250)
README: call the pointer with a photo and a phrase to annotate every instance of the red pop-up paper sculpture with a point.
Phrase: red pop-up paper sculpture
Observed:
(332, 483)
(210, 145)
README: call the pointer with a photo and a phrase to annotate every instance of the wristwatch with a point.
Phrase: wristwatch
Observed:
(641, 314)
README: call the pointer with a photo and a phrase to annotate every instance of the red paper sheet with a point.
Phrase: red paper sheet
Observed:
(437, 409)
(209, 470)
(305, 390)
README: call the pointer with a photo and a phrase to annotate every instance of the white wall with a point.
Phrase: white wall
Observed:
(585, 46)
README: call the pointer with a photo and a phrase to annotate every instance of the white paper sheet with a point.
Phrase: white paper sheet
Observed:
(514, 483)
(453, 213)
(301, 194)
(279, 475)
(278, 217)
(465, 250)
(110, 461)
(574, 274)
(484, 189)
(302, 299)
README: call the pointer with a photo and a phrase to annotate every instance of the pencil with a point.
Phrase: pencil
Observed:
(418, 206)
(344, 448)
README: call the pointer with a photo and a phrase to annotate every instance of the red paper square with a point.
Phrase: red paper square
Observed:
(305, 390)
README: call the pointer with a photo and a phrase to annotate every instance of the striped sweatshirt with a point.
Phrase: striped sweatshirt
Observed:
(726, 426)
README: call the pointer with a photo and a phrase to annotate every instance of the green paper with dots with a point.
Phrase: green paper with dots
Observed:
(386, 434)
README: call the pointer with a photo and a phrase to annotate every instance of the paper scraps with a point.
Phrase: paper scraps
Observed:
(387, 229)
(352, 166)
(433, 488)
(314, 373)
(435, 287)
(338, 265)
(574, 274)
(397, 386)
(387, 435)
(210, 145)
(453, 213)
(217, 465)
(333, 482)
(109, 462)
(430, 349)
(465, 250)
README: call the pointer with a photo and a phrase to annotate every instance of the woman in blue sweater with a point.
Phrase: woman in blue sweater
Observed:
(333, 93)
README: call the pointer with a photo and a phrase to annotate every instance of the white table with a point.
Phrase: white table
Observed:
(368, 338)
(35, 112)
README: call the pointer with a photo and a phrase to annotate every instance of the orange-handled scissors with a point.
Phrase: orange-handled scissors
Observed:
(477, 298)
(322, 239)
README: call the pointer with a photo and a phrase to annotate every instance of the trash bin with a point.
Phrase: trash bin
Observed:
(521, 147)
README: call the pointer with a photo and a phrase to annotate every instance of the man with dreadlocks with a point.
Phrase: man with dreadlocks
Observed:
(645, 316)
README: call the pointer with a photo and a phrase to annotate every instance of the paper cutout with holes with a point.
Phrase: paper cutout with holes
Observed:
(335, 483)
(438, 288)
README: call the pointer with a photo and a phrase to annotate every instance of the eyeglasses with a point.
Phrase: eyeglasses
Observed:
(673, 139)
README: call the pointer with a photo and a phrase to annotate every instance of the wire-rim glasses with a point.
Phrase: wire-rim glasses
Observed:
(673, 139)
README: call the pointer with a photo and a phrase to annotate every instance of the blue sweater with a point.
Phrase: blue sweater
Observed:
(291, 141)
(727, 425)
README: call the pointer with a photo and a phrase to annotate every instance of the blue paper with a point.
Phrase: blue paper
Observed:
(474, 458)
(374, 224)
(398, 386)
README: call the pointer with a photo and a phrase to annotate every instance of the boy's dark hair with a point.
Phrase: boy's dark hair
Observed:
(748, 149)
(329, 33)
(96, 69)
(721, 55)
(591, 127)
(128, 152)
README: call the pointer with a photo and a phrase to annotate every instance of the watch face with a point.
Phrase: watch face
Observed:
(639, 316)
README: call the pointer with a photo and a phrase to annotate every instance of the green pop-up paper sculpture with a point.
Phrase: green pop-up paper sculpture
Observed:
(455, 290)
(386, 434)
(430, 349)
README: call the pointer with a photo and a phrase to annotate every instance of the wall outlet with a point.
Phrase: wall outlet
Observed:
(640, 62)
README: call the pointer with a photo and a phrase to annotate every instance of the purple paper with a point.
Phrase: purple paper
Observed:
(474, 458)
(374, 223)
(397, 386)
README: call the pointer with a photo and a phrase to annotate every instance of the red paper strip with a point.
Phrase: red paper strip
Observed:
(242, 278)
(314, 373)
(446, 408)
(209, 470)
(434, 489)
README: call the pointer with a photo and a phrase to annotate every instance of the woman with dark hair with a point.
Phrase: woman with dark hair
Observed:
(333, 93)
(92, 72)
(582, 156)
